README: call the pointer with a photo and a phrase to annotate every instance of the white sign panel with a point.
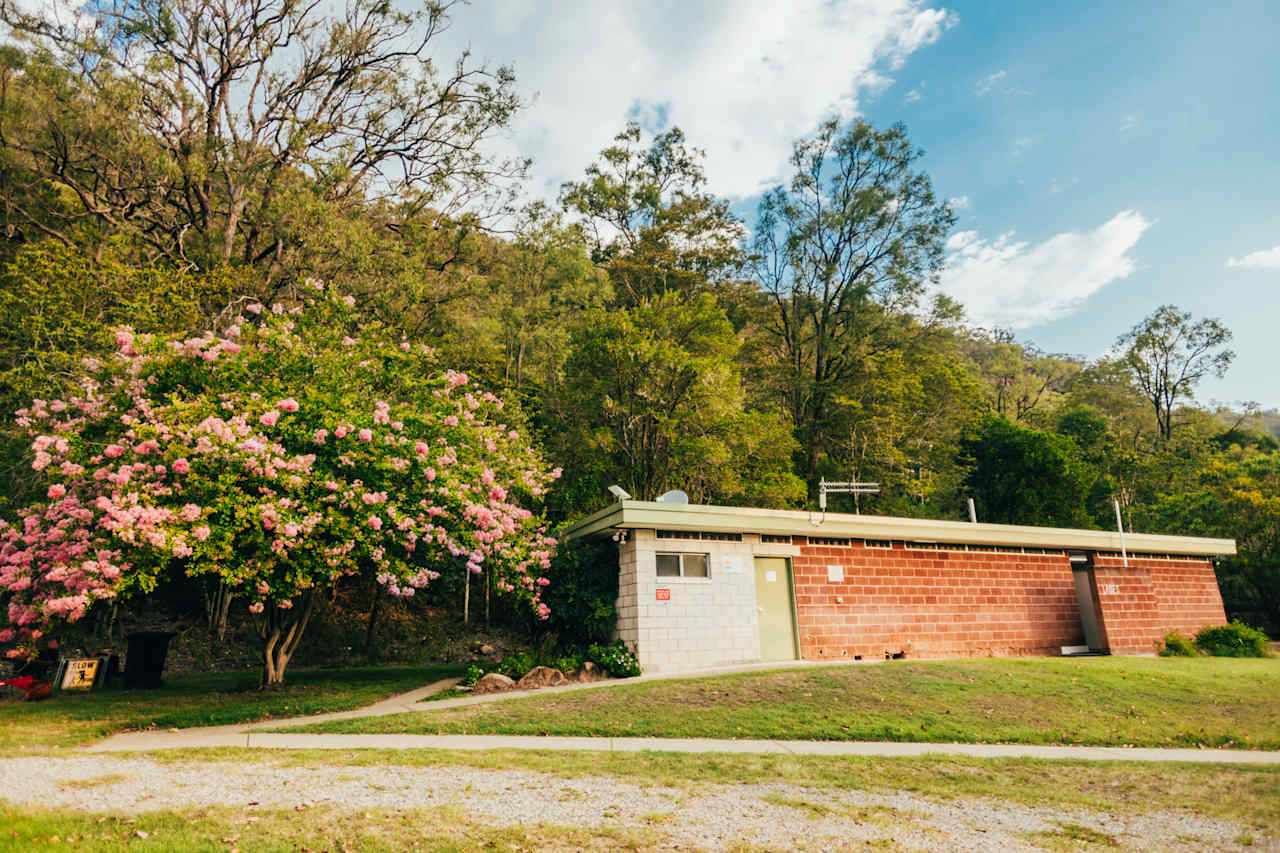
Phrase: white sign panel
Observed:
(771, 576)
(731, 564)
(835, 573)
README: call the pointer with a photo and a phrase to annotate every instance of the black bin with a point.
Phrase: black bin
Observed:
(144, 661)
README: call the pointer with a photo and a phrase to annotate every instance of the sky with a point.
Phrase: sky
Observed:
(1103, 158)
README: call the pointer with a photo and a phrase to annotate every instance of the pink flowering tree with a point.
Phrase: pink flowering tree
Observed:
(279, 453)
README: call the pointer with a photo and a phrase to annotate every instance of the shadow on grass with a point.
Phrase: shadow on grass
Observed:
(204, 700)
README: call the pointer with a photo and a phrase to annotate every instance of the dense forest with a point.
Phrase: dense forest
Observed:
(160, 162)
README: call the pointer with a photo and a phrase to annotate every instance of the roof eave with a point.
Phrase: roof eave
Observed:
(653, 514)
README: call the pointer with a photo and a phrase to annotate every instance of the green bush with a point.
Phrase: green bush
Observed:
(583, 594)
(518, 665)
(1176, 645)
(568, 662)
(474, 673)
(618, 660)
(1235, 640)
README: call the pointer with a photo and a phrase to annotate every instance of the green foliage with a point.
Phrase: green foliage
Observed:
(653, 225)
(474, 673)
(1235, 495)
(618, 660)
(516, 666)
(1176, 645)
(1167, 354)
(583, 592)
(843, 251)
(1020, 475)
(568, 662)
(654, 401)
(1233, 640)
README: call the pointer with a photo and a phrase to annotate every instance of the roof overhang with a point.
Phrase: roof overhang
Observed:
(727, 519)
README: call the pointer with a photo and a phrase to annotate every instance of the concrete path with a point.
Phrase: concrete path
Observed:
(141, 741)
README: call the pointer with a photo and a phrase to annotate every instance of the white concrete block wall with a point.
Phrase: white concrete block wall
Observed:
(706, 622)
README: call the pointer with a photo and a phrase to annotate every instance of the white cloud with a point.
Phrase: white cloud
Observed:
(742, 78)
(1023, 144)
(986, 84)
(1265, 259)
(960, 202)
(1129, 123)
(913, 96)
(1016, 284)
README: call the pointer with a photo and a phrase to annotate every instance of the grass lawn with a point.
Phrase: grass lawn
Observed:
(1116, 701)
(439, 830)
(68, 719)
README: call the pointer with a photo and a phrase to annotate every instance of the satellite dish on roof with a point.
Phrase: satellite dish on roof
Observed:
(675, 496)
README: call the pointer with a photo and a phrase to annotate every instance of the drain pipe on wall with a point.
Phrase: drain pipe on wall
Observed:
(1120, 526)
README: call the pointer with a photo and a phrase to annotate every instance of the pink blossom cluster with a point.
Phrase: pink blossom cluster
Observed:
(275, 497)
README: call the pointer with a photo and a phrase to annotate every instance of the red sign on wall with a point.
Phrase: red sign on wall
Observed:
(664, 595)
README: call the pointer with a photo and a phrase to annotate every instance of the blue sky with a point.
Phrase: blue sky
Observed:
(1106, 158)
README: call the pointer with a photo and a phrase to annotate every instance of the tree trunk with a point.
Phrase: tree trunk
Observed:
(217, 606)
(281, 631)
(369, 652)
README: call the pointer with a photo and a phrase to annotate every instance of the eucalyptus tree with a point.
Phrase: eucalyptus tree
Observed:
(217, 132)
(851, 242)
(1167, 354)
(651, 221)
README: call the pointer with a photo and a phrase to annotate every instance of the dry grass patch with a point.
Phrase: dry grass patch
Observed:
(1116, 787)
(441, 829)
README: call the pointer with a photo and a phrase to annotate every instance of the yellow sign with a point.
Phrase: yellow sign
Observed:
(80, 674)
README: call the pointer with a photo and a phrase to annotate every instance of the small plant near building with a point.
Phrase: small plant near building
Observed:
(474, 673)
(616, 658)
(1178, 646)
(1234, 640)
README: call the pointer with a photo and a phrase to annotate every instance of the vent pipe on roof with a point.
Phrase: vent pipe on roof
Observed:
(973, 512)
(1120, 526)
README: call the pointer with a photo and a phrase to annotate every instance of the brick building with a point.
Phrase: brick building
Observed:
(707, 585)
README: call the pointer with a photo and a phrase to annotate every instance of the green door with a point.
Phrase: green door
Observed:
(775, 610)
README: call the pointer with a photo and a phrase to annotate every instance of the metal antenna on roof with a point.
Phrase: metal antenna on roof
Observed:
(845, 488)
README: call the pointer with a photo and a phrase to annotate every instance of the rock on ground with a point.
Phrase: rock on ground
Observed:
(492, 682)
(590, 672)
(541, 676)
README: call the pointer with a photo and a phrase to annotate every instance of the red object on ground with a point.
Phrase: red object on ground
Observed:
(33, 687)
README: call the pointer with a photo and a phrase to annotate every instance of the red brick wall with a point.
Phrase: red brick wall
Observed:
(933, 603)
(945, 603)
(1142, 603)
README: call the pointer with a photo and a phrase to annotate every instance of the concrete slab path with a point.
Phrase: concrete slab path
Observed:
(146, 741)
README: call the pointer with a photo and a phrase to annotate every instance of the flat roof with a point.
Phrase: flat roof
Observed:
(731, 519)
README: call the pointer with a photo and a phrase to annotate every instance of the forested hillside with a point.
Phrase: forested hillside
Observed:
(162, 164)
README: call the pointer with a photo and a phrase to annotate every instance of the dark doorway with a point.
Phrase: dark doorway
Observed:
(1087, 598)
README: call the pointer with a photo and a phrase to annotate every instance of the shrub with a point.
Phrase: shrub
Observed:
(583, 592)
(567, 663)
(518, 665)
(474, 673)
(1176, 645)
(1235, 640)
(618, 660)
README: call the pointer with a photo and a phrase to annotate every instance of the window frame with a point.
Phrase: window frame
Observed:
(682, 576)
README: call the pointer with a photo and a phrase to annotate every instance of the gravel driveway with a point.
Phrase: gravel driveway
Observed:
(771, 816)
